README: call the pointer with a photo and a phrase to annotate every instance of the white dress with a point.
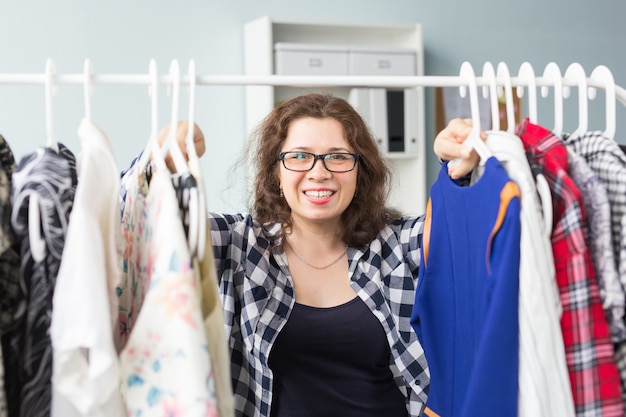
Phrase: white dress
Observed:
(86, 368)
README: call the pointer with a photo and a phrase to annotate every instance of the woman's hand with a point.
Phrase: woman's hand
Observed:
(449, 145)
(181, 138)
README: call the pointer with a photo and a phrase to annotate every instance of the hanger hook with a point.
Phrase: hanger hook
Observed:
(171, 144)
(152, 152)
(50, 90)
(197, 202)
(604, 75)
(467, 73)
(490, 74)
(473, 140)
(553, 74)
(191, 110)
(173, 90)
(153, 92)
(504, 73)
(576, 71)
(527, 74)
(88, 87)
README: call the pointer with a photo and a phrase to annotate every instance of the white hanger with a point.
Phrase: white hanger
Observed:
(473, 141)
(489, 73)
(38, 248)
(553, 73)
(37, 243)
(171, 144)
(50, 90)
(197, 201)
(603, 75)
(503, 73)
(152, 148)
(88, 87)
(527, 74)
(191, 149)
(576, 71)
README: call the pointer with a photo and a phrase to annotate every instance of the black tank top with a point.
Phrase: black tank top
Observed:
(334, 362)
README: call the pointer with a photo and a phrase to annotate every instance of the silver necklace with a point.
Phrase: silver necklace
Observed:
(313, 266)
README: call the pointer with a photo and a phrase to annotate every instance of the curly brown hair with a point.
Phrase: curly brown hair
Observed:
(367, 214)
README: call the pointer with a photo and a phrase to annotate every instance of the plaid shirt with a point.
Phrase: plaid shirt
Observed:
(608, 162)
(258, 297)
(588, 349)
(598, 228)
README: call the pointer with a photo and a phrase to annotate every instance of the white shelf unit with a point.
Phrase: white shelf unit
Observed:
(260, 35)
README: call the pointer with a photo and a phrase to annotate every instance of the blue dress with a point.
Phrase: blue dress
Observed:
(466, 303)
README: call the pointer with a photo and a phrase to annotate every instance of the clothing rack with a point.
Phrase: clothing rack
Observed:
(292, 80)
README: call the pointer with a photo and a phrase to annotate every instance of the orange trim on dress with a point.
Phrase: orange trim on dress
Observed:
(508, 192)
(430, 413)
(426, 234)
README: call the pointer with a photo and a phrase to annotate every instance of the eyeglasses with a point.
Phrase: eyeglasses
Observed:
(305, 161)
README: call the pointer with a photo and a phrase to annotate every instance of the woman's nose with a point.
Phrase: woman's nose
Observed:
(319, 168)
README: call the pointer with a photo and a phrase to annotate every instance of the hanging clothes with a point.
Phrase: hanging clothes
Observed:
(466, 302)
(598, 228)
(9, 250)
(27, 348)
(9, 258)
(608, 162)
(544, 388)
(589, 352)
(165, 361)
(213, 315)
(211, 304)
(86, 378)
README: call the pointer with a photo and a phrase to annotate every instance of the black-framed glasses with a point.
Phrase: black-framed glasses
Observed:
(305, 161)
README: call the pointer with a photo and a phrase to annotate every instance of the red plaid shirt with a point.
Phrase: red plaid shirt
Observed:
(588, 349)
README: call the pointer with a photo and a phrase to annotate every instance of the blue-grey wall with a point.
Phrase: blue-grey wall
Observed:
(122, 36)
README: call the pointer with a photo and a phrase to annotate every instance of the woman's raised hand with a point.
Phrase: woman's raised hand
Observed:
(448, 145)
(181, 138)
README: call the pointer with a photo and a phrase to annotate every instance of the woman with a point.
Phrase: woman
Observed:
(318, 280)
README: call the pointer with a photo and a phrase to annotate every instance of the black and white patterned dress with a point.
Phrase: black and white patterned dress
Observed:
(27, 347)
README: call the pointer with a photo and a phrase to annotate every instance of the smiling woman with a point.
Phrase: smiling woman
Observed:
(318, 280)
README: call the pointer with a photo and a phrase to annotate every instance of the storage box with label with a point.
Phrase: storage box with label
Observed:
(381, 61)
(310, 59)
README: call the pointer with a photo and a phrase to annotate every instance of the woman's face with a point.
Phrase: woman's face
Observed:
(319, 195)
